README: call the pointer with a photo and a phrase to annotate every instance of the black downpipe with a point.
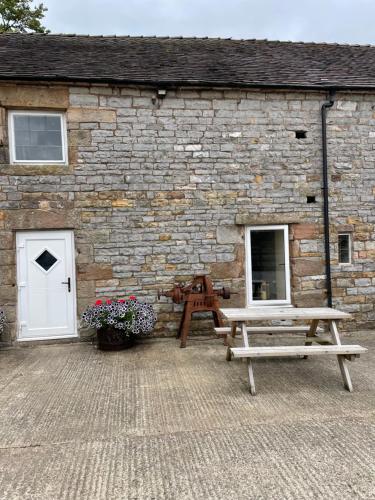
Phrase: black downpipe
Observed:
(325, 106)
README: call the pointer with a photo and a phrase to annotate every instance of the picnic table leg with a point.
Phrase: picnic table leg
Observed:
(230, 340)
(311, 333)
(251, 377)
(248, 360)
(341, 359)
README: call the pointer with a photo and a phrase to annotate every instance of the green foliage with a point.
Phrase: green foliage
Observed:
(20, 16)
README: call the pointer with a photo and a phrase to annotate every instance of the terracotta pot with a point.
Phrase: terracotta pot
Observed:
(112, 339)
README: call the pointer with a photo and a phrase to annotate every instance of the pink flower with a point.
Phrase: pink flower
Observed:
(132, 297)
(109, 301)
(99, 302)
(121, 301)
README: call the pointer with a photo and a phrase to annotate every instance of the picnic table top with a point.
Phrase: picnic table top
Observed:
(271, 312)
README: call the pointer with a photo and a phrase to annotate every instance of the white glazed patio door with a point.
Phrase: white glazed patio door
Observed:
(46, 285)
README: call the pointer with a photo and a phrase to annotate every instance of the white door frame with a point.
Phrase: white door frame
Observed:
(249, 283)
(36, 235)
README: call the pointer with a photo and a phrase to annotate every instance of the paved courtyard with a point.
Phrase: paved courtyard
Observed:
(159, 422)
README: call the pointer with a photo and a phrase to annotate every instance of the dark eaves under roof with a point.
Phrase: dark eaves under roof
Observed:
(186, 61)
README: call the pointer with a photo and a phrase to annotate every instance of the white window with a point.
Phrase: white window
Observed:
(37, 137)
(267, 265)
(345, 250)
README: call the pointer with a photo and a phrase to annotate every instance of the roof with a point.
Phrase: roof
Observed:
(186, 61)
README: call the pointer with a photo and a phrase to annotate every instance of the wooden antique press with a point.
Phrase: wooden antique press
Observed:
(198, 296)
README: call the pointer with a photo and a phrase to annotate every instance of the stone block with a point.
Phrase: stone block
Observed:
(8, 295)
(228, 234)
(346, 105)
(94, 271)
(311, 298)
(119, 102)
(165, 237)
(84, 100)
(8, 275)
(102, 90)
(7, 239)
(3, 121)
(309, 266)
(79, 137)
(83, 115)
(305, 231)
(80, 89)
(113, 283)
(226, 270)
(85, 289)
(84, 252)
(362, 282)
(123, 203)
(249, 104)
(228, 104)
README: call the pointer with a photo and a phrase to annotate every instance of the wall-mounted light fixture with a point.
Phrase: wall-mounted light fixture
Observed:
(158, 97)
(162, 93)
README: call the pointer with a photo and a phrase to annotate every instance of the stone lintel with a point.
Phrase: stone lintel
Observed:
(267, 219)
(41, 219)
(34, 96)
(19, 169)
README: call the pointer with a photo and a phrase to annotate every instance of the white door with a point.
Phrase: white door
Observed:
(46, 285)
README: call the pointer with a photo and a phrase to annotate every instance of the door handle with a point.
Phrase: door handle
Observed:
(66, 283)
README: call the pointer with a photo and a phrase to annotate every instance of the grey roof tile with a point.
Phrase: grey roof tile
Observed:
(185, 61)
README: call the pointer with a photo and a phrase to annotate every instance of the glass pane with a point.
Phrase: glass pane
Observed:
(52, 123)
(45, 138)
(268, 265)
(46, 260)
(344, 251)
(21, 121)
(23, 138)
(38, 138)
(39, 153)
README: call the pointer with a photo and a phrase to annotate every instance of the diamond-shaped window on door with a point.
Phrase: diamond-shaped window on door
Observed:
(46, 260)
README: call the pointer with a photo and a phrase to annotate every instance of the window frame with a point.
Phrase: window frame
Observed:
(12, 143)
(249, 288)
(349, 235)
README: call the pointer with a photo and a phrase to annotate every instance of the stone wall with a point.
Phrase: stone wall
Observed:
(158, 190)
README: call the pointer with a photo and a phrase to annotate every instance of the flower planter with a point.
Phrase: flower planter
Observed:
(118, 322)
(113, 339)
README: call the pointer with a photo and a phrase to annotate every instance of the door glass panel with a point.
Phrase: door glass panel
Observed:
(46, 260)
(268, 265)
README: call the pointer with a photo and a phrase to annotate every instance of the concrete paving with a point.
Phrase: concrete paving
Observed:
(159, 422)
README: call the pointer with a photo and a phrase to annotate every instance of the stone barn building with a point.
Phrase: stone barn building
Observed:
(127, 164)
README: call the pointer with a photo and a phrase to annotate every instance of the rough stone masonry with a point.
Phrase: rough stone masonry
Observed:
(158, 190)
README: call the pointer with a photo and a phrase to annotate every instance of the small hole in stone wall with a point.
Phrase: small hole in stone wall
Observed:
(301, 134)
(310, 199)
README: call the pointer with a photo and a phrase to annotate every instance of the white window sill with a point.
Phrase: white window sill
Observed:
(271, 306)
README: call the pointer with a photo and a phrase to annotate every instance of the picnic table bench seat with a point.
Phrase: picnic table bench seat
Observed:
(300, 350)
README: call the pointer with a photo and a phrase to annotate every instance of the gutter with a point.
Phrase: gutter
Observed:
(325, 106)
(172, 84)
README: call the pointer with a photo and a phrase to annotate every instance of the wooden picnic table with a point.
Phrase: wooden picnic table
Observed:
(312, 315)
